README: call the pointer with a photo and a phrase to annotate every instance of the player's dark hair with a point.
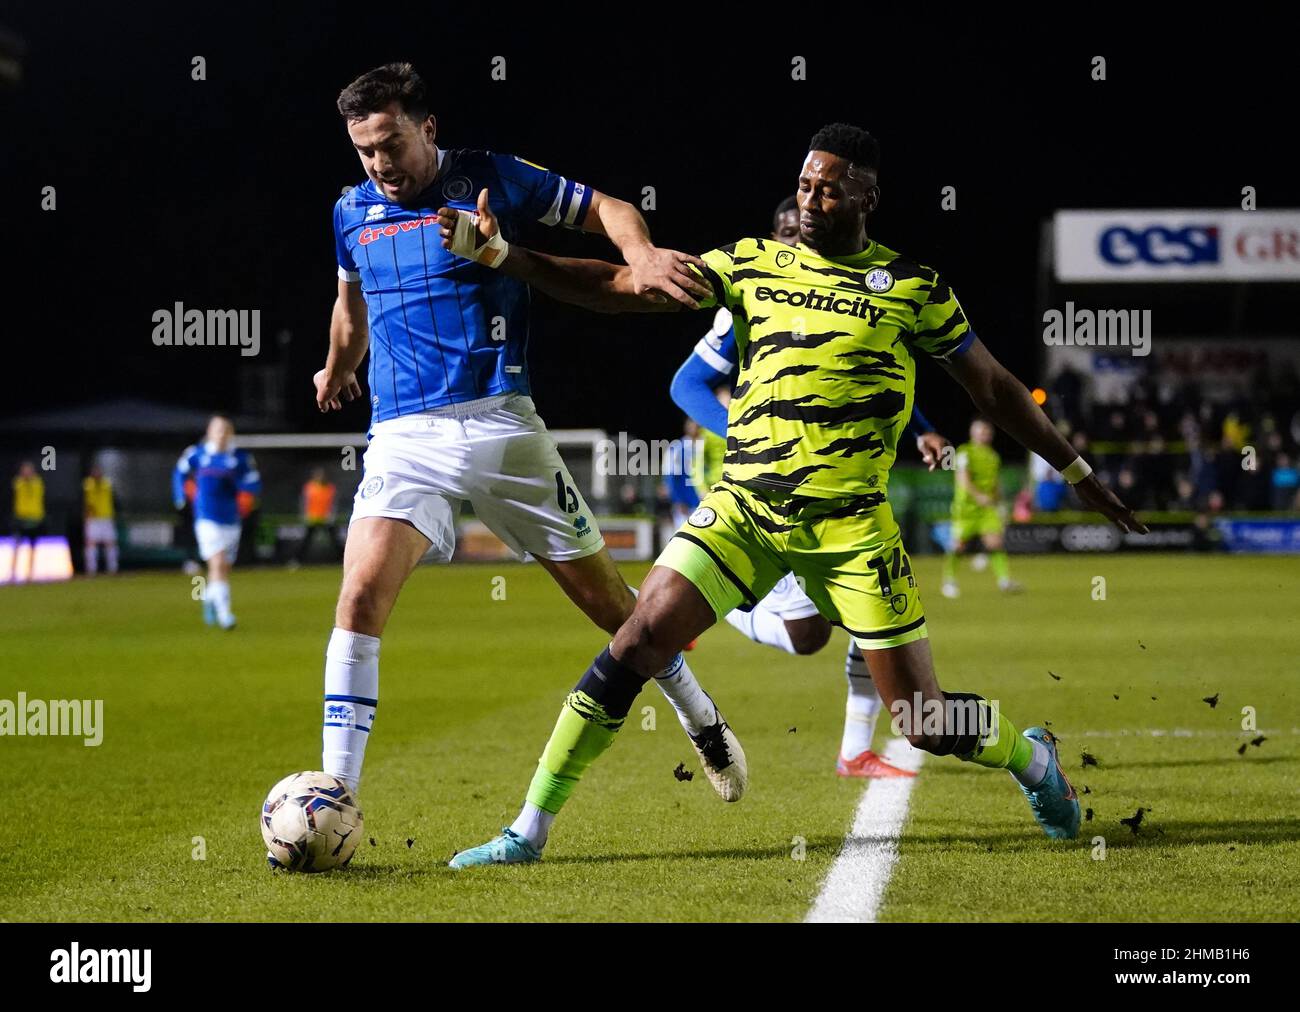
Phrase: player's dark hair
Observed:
(848, 142)
(376, 89)
(791, 203)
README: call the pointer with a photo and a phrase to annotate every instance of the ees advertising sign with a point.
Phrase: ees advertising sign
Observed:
(1145, 246)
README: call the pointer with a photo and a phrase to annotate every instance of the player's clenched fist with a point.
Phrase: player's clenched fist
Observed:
(331, 391)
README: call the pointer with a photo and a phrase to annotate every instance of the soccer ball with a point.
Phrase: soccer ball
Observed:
(310, 822)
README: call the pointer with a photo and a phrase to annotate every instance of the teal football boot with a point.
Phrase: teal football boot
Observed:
(1053, 801)
(508, 848)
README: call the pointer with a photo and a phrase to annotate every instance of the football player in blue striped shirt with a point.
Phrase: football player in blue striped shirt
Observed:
(221, 472)
(452, 419)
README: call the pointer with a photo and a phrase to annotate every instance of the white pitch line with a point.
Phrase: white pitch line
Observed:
(855, 885)
(1174, 732)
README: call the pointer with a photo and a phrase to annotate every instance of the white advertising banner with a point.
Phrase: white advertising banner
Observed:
(1145, 246)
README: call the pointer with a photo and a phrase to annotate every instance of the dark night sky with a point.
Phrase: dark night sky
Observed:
(218, 193)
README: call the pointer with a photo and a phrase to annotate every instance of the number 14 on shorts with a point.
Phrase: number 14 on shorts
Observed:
(890, 567)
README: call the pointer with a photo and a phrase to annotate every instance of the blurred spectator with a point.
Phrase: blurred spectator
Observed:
(1286, 484)
(318, 495)
(1236, 433)
(1204, 474)
(1068, 388)
(1046, 483)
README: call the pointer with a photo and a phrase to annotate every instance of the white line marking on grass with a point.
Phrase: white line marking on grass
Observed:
(1171, 732)
(855, 885)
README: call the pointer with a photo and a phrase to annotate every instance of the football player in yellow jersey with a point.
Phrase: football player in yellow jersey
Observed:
(786, 618)
(977, 510)
(28, 514)
(97, 511)
(828, 334)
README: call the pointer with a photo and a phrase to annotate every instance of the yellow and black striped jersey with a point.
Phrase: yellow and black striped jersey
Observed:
(827, 367)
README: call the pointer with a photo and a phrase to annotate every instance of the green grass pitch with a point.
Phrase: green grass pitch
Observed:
(198, 724)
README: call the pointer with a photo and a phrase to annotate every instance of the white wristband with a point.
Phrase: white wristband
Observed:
(465, 238)
(1076, 471)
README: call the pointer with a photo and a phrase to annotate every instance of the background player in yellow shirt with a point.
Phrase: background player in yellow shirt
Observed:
(828, 334)
(28, 513)
(977, 509)
(97, 510)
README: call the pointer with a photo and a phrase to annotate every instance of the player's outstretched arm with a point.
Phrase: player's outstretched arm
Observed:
(592, 284)
(349, 339)
(1007, 403)
(653, 270)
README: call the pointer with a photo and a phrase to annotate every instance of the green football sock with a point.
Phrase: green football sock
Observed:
(950, 567)
(583, 731)
(1001, 566)
(1009, 749)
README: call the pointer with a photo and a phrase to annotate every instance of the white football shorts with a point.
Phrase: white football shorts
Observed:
(100, 531)
(788, 601)
(214, 537)
(494, 454)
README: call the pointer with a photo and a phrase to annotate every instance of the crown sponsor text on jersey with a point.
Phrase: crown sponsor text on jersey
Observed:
(369, 235)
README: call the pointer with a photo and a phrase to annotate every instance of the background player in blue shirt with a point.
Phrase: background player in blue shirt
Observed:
(787, 618)
(452, 419)
(220, 472)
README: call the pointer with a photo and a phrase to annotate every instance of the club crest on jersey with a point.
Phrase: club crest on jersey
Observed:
(702, 517)
(899, 603)
(375, 211)
(785, 258)
(372, 486)
(457, 188)
(880, 280)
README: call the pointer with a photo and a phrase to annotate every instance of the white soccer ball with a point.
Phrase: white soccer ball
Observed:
(310, 822)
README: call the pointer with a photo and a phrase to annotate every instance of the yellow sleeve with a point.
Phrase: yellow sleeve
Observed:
(941, 328)
(717, 275)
